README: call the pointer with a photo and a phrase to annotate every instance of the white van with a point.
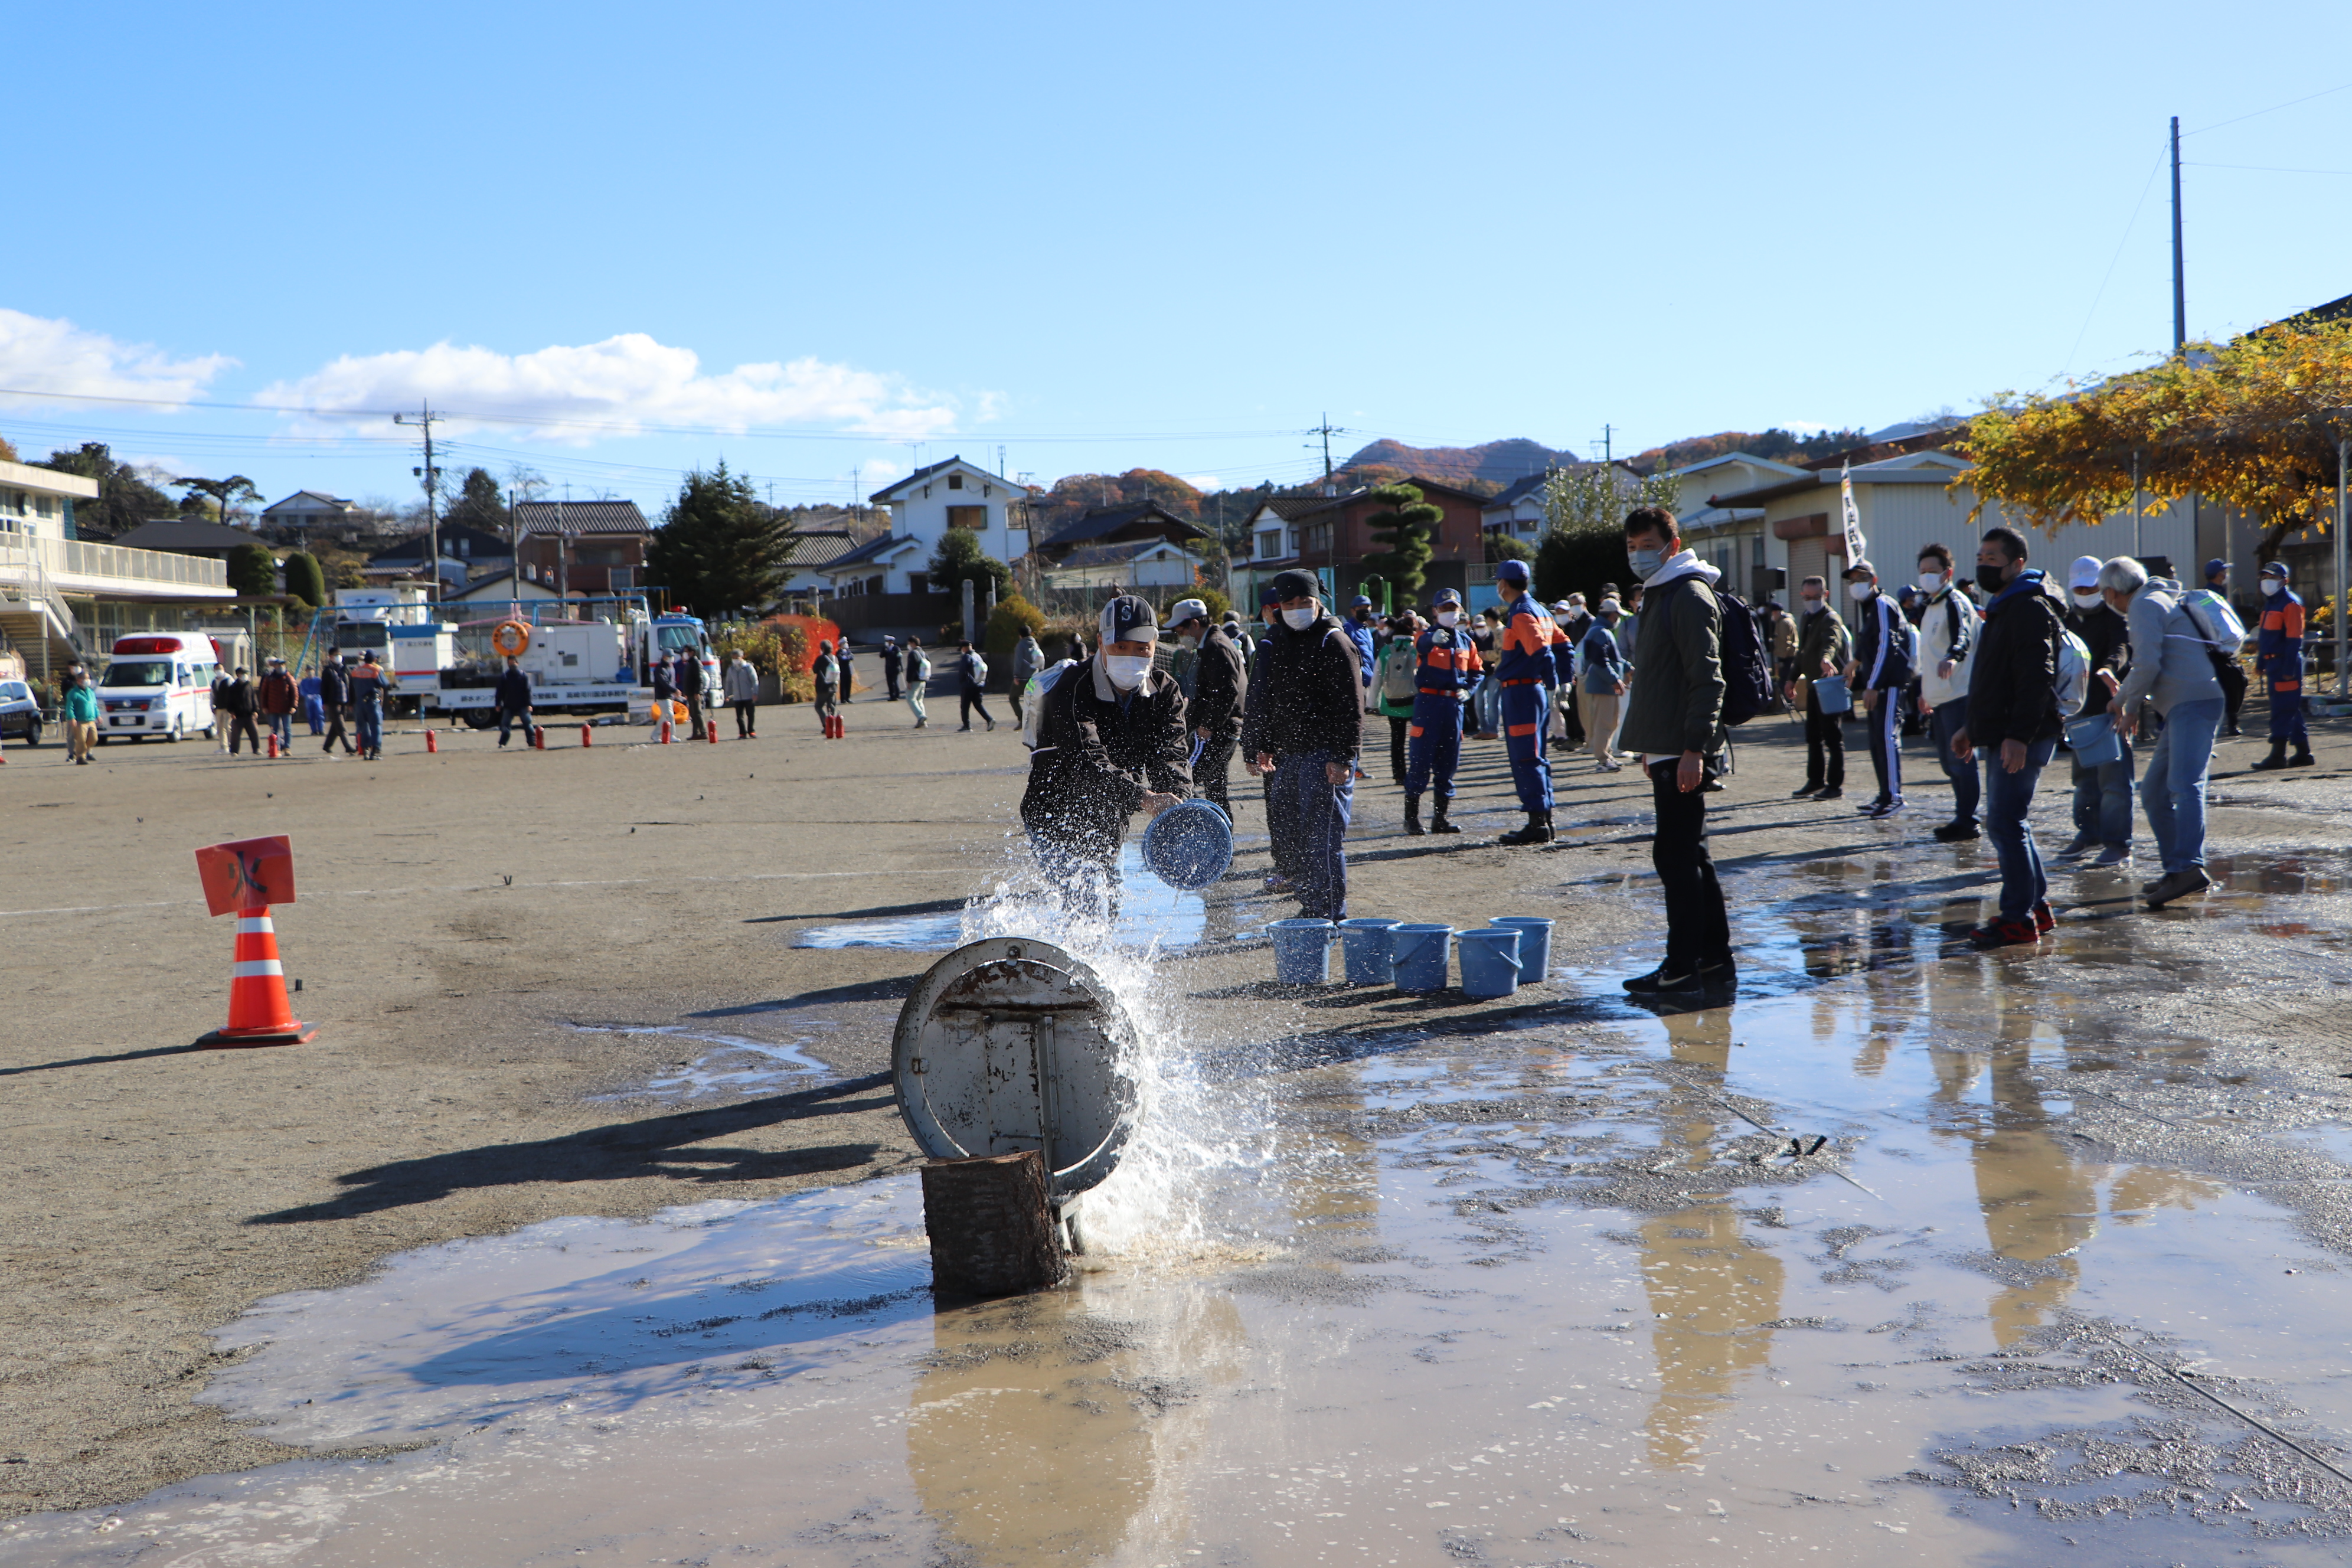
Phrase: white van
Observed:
(160, 684)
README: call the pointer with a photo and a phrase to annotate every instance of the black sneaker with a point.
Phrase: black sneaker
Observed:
(1662, 980)
(1832, 793)
(1807, 793)
(1959, 832)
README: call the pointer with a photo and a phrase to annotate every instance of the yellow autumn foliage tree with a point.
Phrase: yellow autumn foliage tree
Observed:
(2251, 424)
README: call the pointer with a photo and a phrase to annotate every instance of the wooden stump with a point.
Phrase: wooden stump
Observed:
(993, 1227)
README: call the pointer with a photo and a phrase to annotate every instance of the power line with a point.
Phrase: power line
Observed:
(2273, 108)
(2153, 169)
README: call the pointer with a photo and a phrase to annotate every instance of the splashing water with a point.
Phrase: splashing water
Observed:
(722, 1070)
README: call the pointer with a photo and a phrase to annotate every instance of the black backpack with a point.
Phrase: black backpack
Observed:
(1747, 660)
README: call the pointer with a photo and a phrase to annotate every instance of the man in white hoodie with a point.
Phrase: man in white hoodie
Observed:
(1948, 634)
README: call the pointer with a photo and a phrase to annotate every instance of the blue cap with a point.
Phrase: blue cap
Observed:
(2216, 566)
(1445, 596)
(1514, 573)
(1360, 602)
(1267, 595)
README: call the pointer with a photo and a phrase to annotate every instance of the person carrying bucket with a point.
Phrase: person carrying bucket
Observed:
(1219, 690)
(1447, 674)
(1524, 670)
(1111, 741)
(1304, 725)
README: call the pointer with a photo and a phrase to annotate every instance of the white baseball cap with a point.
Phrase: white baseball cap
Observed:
(1184, 610)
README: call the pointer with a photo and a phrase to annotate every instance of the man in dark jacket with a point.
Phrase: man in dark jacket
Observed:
(1111, 741)
(1220, 688)
(890, 667)
(335, 697)
(1823, 647)
(1884, 650)
(237, 699)
(513, 699)
(1674, 723)
(689, 690)
(2013, 719)
(1303, 723)
(278, 699)
(2103, 794)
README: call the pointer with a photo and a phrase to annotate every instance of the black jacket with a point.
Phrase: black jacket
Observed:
(2108, 637)
(664, 685)
(2014, 667)
(1304, 695)
(236, 697)
(1221, 688)
(514, 692)
(1095, 760)
(689, 676)
(334, 686)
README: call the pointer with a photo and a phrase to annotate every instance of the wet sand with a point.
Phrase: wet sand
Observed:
(627, 1026)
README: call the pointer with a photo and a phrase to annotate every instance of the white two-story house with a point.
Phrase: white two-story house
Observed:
(923, 507)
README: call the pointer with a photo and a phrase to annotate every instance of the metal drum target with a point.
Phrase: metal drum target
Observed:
(1012, 1043)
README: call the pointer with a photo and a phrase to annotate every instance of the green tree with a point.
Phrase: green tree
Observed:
(1583, 544)
(7, 451)
(124, 499)
(304, 578)
(251, 572)
(1407, 529)
(479, 504)
(958, 558)
(719, 550)
(227, 494)
(1004, 626)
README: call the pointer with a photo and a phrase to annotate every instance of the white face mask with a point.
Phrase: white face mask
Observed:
(1299, 620)
(1127, 670)
(1931, 581)
(2089, 599)
(1812, 602)
(1187, 642)
(1448, 619)
(2272, 585)
(1860, 593)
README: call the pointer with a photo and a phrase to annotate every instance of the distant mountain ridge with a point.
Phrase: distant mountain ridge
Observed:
(1490, 467)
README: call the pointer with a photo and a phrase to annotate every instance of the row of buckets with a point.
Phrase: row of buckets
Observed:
(1494, 961)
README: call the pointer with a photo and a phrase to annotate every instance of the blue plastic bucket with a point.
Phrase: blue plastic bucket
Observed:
(1417, 956)
(1364, 951)
(1490, 961)
(1302, 952)
(1534, 946)
(1830, 693)
(2092, 739)
(1188, 845)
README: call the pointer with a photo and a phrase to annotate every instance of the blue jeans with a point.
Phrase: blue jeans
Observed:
(282, 726)
(2103, 801)
(2173, 788)
(508, 720)
(1314, 814)
(2008, 800)
(371, 726)
(1945, 720)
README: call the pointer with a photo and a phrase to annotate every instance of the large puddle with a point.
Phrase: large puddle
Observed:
(1150, 914)
(1830, 1275)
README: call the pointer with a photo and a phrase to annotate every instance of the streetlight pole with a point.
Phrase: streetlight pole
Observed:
(2343, 452)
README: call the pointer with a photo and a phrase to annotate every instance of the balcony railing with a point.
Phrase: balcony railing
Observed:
(79, 566)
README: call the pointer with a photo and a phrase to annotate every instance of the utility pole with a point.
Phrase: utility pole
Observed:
(431, 477)
(1608, 445)
(2180, 288)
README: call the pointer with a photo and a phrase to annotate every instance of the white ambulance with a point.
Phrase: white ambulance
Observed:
(159, 684)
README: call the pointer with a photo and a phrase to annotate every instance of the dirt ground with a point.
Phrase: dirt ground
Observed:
(492, 946)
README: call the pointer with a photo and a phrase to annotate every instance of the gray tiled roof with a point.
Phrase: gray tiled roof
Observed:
(579, 517)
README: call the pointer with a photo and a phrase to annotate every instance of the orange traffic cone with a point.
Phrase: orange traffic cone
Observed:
(258, 1010)
(432, 742)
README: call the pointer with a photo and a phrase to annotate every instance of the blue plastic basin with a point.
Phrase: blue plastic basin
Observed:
(1364, 951)
(1534, 946)
(1302, 952)
(1490, 961)
(1188, 845)
(1418, 955)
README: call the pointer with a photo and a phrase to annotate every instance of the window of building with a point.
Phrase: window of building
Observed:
(967, 516)
(918, 581)
(1270, 544)
(1318, 538)
(955, 481)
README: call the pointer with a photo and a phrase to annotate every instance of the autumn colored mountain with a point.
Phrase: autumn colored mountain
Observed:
(1482, 469)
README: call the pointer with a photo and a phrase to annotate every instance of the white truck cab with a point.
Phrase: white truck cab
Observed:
(159, 684)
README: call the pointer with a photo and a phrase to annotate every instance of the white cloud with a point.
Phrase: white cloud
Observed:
(879, 470)
(41, 355)
(1203, 483)
(580, 394)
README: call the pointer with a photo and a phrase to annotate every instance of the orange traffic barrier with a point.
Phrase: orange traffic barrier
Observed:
(245, 879)
(432, 742)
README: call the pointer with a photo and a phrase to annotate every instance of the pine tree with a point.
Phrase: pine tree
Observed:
(1407, 529)
(304, 580)
(719, 550)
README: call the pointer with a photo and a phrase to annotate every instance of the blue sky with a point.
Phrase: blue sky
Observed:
(804, 238)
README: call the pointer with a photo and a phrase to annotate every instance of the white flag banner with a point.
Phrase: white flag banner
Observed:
(1854, 548)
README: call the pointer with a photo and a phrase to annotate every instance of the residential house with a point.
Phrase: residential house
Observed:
(1733, 540)
(189, 536)
(64, 598)
(1132, 563)
(581, 547)
(309, 514)
(493, 591)
(929, 501)
(1331, 536)
(466, 552)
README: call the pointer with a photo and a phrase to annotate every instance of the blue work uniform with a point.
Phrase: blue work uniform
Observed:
(1447, 673)
(1884, 642)
(1524, 669)
(1367, 648)
(2278, 654)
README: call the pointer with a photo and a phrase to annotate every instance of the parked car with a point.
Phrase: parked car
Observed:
(20, 713)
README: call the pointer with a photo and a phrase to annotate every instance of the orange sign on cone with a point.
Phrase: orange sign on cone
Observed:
(247, 876)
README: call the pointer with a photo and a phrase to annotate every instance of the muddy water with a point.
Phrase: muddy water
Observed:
(1557, 1294)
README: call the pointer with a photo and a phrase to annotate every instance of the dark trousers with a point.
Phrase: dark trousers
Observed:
(1436, 746)
(1825, 744)
(1281, 829)
(371, 722)
(2009, 801)
(971, 703)
(241, 724)
(1209, 772)
(1699, 931)
(2286, 711)
(1886, 743)
(890, 680)
(694, 715)
(1945, 720)
(1317, 812)
(506, 720)
(1400, 727)
(1523, 737)
(747, 720)
(335, 732)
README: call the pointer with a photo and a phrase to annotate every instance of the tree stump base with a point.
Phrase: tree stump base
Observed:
(993, 1227)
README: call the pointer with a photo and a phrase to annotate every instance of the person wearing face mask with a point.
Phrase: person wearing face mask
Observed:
(2207, 601)
(1443, 679)
(1602, 675)
(1303, 725)
(1523, 671)
(1220, 687)
(1884, 646)
(1280, 828)
(2172, 672)
(2013, 718)
(1823, 647)
(1358, 626)
(2278, 654)
(1112, 740)
(1948, 634)
(1028, 658)
(1393, 676)
(2103, 794)
(1486, 636)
